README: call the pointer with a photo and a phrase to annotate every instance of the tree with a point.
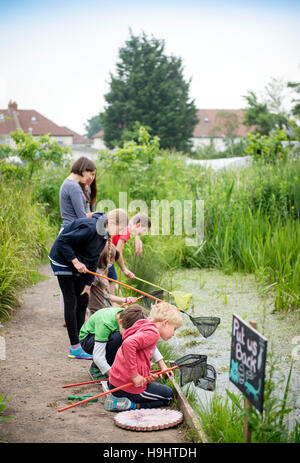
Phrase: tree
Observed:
(93, 125)
(149, 89)
(228, 122)
(258, 115)
(296, 87)
(270, 113)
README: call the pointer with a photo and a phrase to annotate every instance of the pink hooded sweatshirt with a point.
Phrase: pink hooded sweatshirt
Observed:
(134, 355)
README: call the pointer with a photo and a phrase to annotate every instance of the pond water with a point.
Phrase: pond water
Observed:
(220, 295)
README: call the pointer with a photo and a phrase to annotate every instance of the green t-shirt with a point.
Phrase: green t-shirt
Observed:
(102, 323)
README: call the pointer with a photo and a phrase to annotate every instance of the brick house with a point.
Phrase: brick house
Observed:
(216, 125)
(31, 121)
(98, 142)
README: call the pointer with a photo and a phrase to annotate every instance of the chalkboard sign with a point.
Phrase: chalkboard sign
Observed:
(247, 361)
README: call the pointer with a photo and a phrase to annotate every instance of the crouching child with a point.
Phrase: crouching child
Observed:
(133, 362)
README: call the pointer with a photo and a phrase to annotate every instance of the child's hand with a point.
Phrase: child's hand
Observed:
(163, 366)
(138, 246)
(132, 300)
(138, 380)
(152, 377)
(128, 273)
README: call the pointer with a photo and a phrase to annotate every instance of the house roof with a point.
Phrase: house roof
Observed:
(98, 134)
(79, 139)
(25, 119)
(209, 122)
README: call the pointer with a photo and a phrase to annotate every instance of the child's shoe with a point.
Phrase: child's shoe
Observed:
(79, 353)
(118, 403)
(95, 373)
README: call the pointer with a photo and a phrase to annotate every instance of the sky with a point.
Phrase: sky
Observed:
(57, 56)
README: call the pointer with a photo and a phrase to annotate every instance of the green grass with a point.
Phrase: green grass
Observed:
(251, 221)
(222, 418)
(25, 237)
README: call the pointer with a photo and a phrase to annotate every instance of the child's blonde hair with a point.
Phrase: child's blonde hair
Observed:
(165, 311)
(118, 217)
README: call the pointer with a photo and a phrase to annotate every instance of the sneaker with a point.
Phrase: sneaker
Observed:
(118, 403)
(79, 354)
(95, 373)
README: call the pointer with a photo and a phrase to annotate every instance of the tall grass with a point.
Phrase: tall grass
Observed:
(223, 419)
(251, 219)
(25, 236)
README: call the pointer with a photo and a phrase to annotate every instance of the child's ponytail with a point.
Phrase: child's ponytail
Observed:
(108, 255)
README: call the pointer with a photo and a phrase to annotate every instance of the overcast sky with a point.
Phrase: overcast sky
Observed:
(56, 56)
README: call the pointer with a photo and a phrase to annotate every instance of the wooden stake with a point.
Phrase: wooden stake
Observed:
(248, 405)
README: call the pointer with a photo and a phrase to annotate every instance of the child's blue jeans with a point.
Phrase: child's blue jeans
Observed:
(155, 395)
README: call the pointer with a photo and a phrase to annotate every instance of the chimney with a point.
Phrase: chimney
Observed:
(13, 112)
(12, 106)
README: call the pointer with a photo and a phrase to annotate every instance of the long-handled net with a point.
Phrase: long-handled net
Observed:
(208, 382)
(148, 301)
(205, 325)
(193, 362)
(182, 299)
(194, 368)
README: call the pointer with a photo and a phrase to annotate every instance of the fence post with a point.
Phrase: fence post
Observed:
(248, 405)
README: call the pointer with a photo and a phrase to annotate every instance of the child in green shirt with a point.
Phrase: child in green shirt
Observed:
(101, 335)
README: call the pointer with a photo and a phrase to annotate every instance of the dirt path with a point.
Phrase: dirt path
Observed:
(35, 368)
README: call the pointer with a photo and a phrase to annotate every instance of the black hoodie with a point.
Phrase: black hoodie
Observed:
(82, 239)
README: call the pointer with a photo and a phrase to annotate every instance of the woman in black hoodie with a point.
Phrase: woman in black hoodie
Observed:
(77, 249)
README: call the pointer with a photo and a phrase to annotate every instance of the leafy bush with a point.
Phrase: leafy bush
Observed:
(268, 149)
(37, 152)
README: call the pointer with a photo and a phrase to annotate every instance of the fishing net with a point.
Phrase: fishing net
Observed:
(192, 368)
(149, 301)
(206, 325)
(208, 382)
(182, 299)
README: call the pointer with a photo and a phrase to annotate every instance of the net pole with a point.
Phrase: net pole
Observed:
(130, 287)
(112, 390)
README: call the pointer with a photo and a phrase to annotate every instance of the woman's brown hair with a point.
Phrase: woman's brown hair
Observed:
(78, 167)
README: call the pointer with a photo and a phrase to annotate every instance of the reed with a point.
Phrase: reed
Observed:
(25, 236)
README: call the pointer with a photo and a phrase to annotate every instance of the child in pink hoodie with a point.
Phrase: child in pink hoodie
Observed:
(133, 361)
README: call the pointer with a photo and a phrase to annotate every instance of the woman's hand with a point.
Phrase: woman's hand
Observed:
(80, 267)
(86, 290)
